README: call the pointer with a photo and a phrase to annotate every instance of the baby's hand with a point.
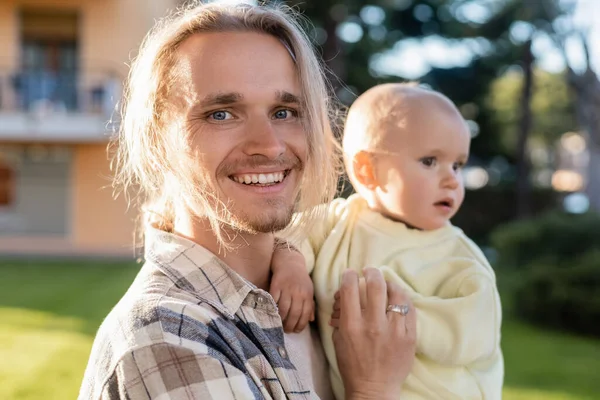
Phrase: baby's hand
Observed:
(292, 289)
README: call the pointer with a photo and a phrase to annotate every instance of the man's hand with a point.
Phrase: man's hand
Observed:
(375, 349)
(291, 288)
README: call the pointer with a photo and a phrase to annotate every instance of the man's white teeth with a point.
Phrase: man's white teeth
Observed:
(259, 178)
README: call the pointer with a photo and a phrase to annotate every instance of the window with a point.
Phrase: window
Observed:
(49, 59)
(7, 185)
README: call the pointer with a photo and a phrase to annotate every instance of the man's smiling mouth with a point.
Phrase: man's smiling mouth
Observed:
(263, 179)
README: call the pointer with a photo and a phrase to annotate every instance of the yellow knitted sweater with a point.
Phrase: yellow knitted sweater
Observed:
(450, 283)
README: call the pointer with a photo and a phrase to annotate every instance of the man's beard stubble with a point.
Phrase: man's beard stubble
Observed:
(267, 222)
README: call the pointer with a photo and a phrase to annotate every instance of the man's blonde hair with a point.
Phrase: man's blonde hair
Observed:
(152, 156)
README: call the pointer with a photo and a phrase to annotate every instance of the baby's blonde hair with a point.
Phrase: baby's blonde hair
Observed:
(152, 161)
(378, 112)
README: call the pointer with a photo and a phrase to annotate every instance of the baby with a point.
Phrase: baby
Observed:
(404, 147)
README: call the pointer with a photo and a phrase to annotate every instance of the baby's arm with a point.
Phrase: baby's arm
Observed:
(291, 284)
(291, 287)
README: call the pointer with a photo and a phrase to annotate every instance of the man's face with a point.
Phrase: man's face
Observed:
(245, 124)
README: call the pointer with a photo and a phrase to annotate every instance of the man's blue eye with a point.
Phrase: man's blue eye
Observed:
(219, 115)
(283, 114)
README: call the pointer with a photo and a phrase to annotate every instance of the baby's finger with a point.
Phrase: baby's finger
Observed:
(335, 314)
(335, 322)
(336, 305)
(293, 316)
(284, 304)
(305, 317)
(275, 293)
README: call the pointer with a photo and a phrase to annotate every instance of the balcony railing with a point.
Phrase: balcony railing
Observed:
(67, 106)
(33, 91)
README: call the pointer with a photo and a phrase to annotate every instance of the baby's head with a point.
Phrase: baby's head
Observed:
(404, 147)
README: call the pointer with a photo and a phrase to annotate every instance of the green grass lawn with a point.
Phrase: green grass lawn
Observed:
(49, 313)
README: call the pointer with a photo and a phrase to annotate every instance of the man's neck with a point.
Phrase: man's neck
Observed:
(250, 254)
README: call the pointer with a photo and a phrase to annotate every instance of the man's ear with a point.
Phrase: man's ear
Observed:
(363, 169)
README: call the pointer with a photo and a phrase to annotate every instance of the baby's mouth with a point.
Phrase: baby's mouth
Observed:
(449, 203)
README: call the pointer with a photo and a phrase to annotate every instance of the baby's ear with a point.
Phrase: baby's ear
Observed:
(362, 165)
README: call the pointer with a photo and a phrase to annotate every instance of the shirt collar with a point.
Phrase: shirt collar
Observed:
(196, 270)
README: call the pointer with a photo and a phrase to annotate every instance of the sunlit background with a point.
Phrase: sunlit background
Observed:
(522, 72)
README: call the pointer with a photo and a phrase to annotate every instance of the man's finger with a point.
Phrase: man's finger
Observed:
(397, 296)
(376, 295)
(349, 300)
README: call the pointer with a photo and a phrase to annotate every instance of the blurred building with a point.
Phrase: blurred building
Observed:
(62, 64)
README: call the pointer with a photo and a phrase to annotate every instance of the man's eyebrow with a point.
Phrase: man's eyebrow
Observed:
(288, 98)
(218, 99)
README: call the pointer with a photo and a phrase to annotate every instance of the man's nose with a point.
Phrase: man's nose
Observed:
(263, 139)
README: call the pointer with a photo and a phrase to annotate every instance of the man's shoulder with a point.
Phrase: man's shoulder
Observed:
(153, 310)
(150, 317)
(150, 314)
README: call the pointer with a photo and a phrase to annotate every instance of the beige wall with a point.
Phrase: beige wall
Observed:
(98, 220)
(98, 224)
(110, 30)
(9, 25)
(110, 34)
(114, 29)
(8, 31)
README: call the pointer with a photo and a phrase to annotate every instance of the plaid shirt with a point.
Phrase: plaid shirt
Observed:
(191, 328)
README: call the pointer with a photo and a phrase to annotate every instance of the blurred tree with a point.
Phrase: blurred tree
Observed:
(353, 34)
(511, 28)
(552, 105)
(585, 83)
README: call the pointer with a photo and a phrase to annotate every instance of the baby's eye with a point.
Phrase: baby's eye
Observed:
(428, 161)
(458, 165)
(220, 115)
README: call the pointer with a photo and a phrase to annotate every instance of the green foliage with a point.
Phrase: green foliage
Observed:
(489, 208)
(564, 295)
(552, 107)
(401, 20)
(557, 260)
(554, 237)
